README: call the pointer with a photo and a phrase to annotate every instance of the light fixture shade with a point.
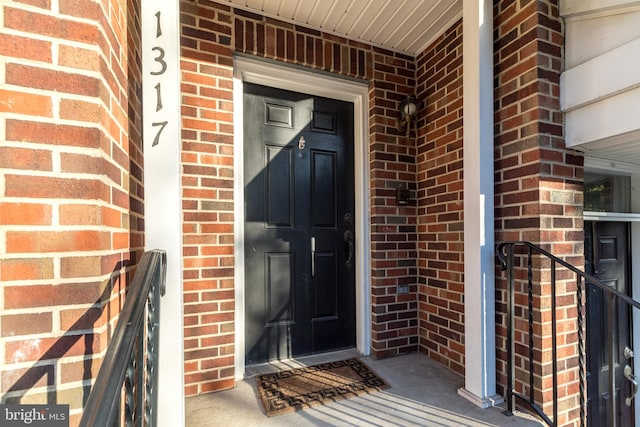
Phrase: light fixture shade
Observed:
(409, 109)
(409, 106)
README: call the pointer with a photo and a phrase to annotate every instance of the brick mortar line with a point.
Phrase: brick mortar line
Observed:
(55, 362)
(60, 230)
(55, 13)
(56, 257)
(56, 43)
(55, 333)
(99, 125)
(59, 148)
(58, 202)
(58, 386)
(104, 178)
(60, 96)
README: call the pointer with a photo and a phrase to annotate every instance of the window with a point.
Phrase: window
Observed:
(607, 193)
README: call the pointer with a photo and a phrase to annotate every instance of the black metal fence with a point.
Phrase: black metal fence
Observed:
(520, 256)
(130, 365)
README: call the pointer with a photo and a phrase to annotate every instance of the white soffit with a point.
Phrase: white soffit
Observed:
(619, 151)
(405, 26)
(598, 165)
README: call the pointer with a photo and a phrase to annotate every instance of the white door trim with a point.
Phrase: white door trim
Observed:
(298, 80)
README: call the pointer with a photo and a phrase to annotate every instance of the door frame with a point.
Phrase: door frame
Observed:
(609, 218)
(297, 79)
(598, 165)
(633, 219)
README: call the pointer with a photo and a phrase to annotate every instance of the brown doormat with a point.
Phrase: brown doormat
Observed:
(295, 389)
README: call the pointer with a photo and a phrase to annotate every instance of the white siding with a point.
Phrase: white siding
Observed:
(600, 88)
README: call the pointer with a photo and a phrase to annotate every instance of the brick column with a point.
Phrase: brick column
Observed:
(538, 181)
(71, 224)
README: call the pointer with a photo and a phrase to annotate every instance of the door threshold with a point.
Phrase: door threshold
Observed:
(251, 371)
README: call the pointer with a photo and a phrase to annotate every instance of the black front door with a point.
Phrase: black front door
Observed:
(606, 257)
(299, 230)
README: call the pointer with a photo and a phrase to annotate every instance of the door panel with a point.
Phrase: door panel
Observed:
(279, 187)
(279, 292)
(326, 292)
(606, 257)
(324, 191)
(300, 289)
(279, 115)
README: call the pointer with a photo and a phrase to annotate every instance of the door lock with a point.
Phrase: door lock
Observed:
(628, 353)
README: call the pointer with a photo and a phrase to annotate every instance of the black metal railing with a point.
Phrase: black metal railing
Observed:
(130, 365)
(520, 255)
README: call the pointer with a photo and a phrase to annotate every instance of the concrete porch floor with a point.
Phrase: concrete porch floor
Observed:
(422, 393)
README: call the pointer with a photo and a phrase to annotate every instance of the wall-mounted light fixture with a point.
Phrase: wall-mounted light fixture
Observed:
(408, 111)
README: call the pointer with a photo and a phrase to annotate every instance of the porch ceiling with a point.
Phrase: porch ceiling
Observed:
(406, 26)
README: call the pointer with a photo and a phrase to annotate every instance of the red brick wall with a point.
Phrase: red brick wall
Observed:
(392, 157)
(210, 35)
(538, 182)
(207, 158)
(70, 189)
(440, 201)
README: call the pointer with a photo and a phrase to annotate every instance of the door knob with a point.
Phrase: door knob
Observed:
(628, 374)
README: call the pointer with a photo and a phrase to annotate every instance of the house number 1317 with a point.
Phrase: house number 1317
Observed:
(161, 69)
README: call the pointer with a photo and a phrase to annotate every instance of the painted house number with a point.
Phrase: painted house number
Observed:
(161, 69)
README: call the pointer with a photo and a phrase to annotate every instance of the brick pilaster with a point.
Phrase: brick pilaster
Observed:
(71, 216)
(538, 181)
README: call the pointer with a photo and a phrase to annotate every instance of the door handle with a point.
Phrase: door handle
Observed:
(313, 257)
(348, 237)
(628, 374)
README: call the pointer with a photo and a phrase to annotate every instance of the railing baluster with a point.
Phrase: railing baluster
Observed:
(153, 343)
(150, 368)
(581, 358)
(129, 384)
(531, 342)
(554, 342)
(140, 395)
(511, 380)
(612, 355)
